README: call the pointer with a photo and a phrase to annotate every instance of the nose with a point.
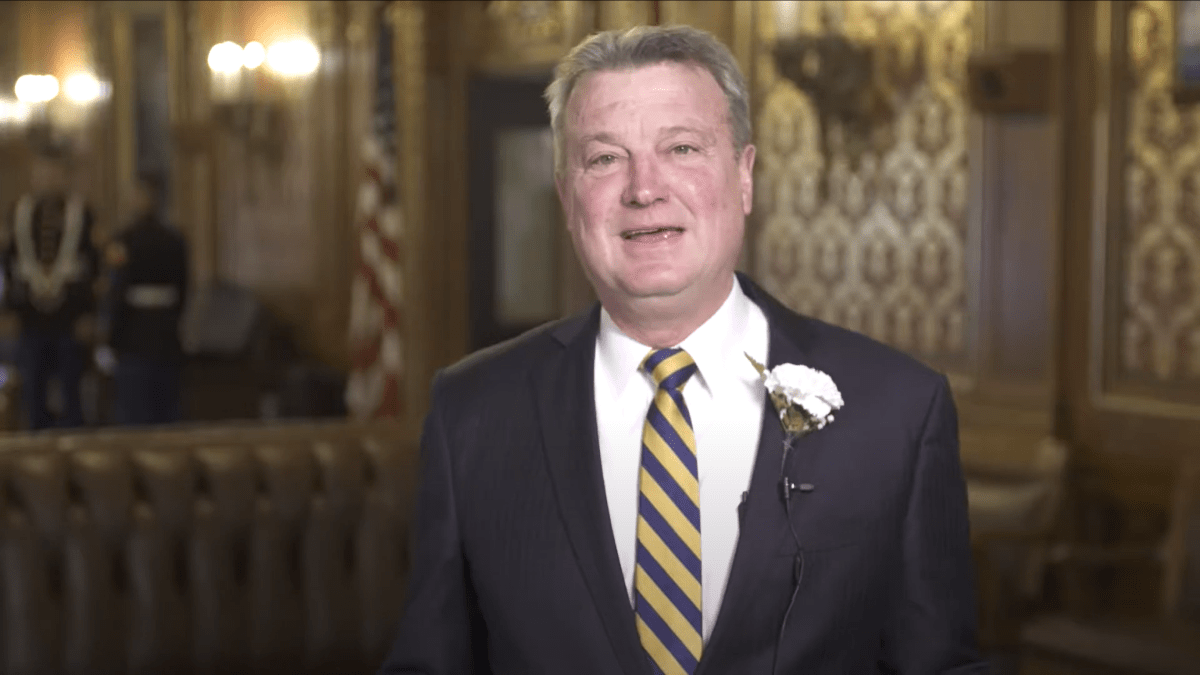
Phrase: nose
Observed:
(645, 186)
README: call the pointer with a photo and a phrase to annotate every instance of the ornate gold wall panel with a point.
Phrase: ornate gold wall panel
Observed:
(1157, 266)
(526, 35)
(714, 17)
(624, 14)
(884, 251)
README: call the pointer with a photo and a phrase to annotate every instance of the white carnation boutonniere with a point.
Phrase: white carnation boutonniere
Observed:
(806, 398)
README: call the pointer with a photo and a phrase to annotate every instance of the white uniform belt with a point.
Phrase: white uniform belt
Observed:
(151, 296)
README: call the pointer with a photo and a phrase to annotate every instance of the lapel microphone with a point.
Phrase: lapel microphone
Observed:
(786, 489)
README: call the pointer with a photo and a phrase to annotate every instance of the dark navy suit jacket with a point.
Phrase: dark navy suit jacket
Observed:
(515, 571)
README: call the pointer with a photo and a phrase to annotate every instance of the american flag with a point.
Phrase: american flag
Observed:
(376, 348)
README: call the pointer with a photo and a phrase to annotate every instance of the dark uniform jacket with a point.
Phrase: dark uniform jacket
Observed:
(148, 290)
(49, 225)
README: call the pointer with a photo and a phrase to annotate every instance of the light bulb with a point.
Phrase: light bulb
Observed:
(293, 57)
(13, 112)
(84, 88)
(225, 58)
(36, 88)
(253, 55)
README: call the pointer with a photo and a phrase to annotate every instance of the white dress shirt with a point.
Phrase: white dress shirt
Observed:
(725, 399)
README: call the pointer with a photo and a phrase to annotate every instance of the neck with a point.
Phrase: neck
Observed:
(662, 323)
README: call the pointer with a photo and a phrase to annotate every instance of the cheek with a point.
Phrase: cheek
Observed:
(713, 197)
(592, 209)
(586, 221)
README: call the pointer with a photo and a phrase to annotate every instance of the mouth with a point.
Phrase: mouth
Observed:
(651, 233)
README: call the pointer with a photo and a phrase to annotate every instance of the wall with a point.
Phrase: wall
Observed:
(1154, 337)
(940, 235)
(276, 219)
(278, 222)
(883, 247)
(282, 225)
(1132, 400)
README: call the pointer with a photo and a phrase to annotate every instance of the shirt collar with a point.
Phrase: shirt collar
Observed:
(715, 346)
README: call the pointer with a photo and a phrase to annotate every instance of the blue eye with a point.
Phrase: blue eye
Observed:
(603, 160)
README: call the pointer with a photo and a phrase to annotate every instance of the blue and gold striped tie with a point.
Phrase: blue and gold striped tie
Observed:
(667, 576)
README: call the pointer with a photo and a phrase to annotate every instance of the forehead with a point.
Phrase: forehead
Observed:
(662, 92)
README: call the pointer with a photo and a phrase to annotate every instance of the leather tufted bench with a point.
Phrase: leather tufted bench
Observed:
(242, 549)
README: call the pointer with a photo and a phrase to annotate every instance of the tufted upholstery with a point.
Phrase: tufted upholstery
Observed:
(234, 550)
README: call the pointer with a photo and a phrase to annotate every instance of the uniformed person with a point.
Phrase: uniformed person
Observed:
(148, 265)
(50, 268)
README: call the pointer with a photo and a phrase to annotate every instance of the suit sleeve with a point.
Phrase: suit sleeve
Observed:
(439, 632)
(932, 627)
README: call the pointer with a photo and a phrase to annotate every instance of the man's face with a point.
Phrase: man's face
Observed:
(654, 195)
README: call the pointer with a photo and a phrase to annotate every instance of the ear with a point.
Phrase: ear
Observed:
(746, 175)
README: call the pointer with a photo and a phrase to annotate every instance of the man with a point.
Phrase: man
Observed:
(143, 308)
(605, 495)
(50, 267)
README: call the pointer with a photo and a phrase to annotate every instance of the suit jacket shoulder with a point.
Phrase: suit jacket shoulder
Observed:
(837, 347)
(497, 370)
(885, 363)
(874, 378)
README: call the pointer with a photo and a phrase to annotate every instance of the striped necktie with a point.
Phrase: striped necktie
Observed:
(667, 577)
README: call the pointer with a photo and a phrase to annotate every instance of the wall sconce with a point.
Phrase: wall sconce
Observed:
(250, 87)
(14, 115)
(85, 89)
(36, 89)
(860, 86)
(41, 101)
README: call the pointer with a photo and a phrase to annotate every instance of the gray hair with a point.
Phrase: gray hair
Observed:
(646, 46)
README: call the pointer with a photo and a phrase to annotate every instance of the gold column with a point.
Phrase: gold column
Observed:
(407, 19)
(335, 151)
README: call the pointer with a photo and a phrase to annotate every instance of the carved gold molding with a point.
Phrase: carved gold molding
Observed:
(408, 20)
(616, 14)
(522, 36)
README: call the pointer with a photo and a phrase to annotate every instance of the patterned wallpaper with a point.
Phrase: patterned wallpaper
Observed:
(1159, 243)
(882, 249)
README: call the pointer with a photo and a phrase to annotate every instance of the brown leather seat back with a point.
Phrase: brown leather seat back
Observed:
(268, 549)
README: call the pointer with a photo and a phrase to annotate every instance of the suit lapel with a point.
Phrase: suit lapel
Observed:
(764, 525)
(567, 409)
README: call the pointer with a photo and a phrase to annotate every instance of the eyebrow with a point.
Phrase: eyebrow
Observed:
(676, 130)
(605, 137)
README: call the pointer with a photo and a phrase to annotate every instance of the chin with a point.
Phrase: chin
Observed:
(659, 285)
